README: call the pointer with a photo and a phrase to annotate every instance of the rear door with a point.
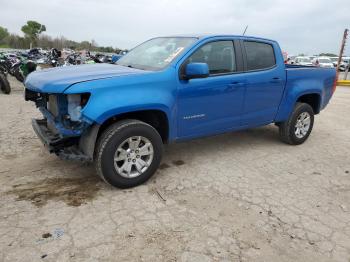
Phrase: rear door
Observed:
(265, 76)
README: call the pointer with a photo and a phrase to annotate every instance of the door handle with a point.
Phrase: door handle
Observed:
(276, 80)
(234, 85)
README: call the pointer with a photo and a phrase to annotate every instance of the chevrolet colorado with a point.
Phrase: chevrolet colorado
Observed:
(171, 89)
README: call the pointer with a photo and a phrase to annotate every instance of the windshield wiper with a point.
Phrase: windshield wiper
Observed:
(131, 66)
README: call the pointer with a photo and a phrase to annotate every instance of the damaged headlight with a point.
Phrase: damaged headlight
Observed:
(76, 103)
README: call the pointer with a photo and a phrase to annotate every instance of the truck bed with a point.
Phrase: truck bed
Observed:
(289, 66)
(316, 80)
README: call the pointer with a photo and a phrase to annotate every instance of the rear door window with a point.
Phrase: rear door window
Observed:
(259, 55)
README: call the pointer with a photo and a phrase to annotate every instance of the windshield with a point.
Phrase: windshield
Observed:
(156, 53)
(334, 59)
(324, 60)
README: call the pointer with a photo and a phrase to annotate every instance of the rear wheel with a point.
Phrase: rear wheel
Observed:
(298, 127)
(4, 84)
(128, 153)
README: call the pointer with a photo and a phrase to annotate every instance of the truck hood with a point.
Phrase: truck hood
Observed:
(57, 80)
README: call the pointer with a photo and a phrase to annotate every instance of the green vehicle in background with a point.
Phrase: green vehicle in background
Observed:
(23, 68)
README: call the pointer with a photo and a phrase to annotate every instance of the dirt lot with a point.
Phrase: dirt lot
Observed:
(236, 197)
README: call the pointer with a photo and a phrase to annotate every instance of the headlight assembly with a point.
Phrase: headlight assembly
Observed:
(76, 103)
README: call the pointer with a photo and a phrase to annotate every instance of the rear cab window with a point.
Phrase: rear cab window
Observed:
(260, 55)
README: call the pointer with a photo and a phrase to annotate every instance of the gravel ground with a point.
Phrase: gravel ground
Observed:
(241, 196)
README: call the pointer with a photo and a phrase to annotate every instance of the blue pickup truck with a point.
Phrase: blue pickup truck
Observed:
(171, 89)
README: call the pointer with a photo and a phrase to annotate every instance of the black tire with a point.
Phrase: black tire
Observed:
(4, 84)
(19, 75)
(110, 140)
(287, 128)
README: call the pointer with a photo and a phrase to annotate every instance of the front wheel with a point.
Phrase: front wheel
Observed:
(298, 127)
(128, 153)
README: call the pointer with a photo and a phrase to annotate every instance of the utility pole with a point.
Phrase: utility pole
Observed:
(346, 72)
(245, 30)
(346, 31)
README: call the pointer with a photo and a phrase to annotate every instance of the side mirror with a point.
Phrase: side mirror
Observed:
(196, 70)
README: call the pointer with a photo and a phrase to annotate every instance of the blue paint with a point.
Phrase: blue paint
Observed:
(196, 107)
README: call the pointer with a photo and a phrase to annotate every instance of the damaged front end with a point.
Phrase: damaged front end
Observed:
(63, 127)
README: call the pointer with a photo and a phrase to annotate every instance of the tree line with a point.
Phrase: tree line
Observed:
(34, 37)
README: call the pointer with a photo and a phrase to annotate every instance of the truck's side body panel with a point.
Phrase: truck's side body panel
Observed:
(302, 81)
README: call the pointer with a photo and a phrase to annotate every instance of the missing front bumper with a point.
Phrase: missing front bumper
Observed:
(65, 147)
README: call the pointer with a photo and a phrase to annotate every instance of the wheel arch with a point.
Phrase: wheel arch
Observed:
(312, 99)
(154, 117)
(158, 119)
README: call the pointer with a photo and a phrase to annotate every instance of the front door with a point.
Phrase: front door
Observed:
(210, 105)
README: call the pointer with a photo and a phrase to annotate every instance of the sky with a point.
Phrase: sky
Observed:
(300, 26)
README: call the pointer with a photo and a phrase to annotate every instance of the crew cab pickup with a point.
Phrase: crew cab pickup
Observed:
(171, 89)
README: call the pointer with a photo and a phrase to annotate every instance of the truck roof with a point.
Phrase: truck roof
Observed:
(202, 36)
